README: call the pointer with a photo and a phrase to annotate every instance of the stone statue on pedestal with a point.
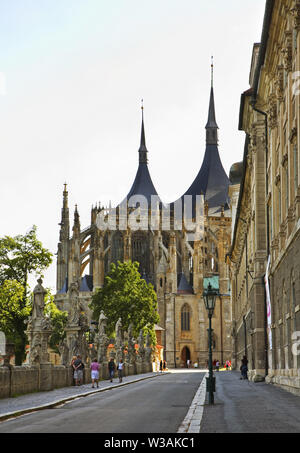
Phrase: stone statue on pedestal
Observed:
(141, 353)
(75, 308)
(119, 341)
(102, 339)
(148, 350)
(131, 346)
(38, 328)
(38, 301)
(76, 328)
(64, 352)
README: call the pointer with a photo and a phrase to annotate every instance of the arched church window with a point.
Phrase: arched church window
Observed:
(185, 317)
(117, 252)
(140, 251)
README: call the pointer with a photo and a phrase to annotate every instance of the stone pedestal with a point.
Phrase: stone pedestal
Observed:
(46, 376)
(104, 370)
(38, 341)
(76, 343)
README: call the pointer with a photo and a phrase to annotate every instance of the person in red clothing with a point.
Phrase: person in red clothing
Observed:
(95, 367)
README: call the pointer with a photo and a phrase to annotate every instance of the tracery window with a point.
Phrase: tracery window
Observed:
(140, 251)
(117, 253)
(185, 317)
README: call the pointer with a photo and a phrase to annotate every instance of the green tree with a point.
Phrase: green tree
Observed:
(58, 321)
(13, 314)
(20, 256)
(127, 296)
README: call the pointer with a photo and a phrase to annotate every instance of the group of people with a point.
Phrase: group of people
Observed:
(78, 367)
(216, 365)
(162, 366)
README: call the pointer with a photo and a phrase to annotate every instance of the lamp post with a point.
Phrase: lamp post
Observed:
(209, 297)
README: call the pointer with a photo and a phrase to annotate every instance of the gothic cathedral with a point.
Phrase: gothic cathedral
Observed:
(177, 266)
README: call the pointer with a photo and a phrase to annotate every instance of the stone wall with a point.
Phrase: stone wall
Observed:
(19, 380)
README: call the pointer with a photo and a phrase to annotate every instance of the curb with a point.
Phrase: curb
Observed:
(18, 413)
(192, 420)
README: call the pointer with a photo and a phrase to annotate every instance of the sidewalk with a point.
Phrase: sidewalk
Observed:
(242, 406)
(10, 407)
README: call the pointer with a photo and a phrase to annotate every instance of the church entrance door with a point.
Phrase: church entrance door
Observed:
(185, 355)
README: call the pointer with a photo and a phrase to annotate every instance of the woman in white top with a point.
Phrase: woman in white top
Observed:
(120, 370)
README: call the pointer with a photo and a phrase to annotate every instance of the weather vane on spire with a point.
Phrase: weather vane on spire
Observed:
(142, 108)
(212, 70)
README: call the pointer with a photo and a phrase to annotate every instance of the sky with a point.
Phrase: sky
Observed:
(72, 76)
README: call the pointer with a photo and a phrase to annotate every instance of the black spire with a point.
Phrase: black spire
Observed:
(211, 181)
(211, 126)
(142, 184)
(143, 150)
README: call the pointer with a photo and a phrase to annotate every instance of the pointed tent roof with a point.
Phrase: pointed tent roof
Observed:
(211, 180)
(86, 283)
(65, 287)
(143, 184)
(184, 287)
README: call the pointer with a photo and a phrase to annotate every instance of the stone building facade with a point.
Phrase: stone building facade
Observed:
(266, 234)
(173, 262)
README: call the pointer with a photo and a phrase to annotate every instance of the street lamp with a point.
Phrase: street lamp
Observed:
(209, 297)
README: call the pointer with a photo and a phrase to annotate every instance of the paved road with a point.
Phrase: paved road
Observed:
(248, 407)
(156, 405)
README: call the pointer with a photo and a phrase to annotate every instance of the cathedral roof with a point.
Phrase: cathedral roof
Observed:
(211, 180)
(86, 283)
(143, 184)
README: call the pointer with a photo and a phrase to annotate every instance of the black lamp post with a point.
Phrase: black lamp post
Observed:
(209, 297)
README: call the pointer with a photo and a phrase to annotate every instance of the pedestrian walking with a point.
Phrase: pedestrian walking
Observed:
(73, 367)
(217, 365)
(227, 365)
(95, 367)
(161, 366)
(244, 368)
(111, 369)
(120, 370)
(165, 366)
(78, 370)
(188, 363)
(214, 364)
